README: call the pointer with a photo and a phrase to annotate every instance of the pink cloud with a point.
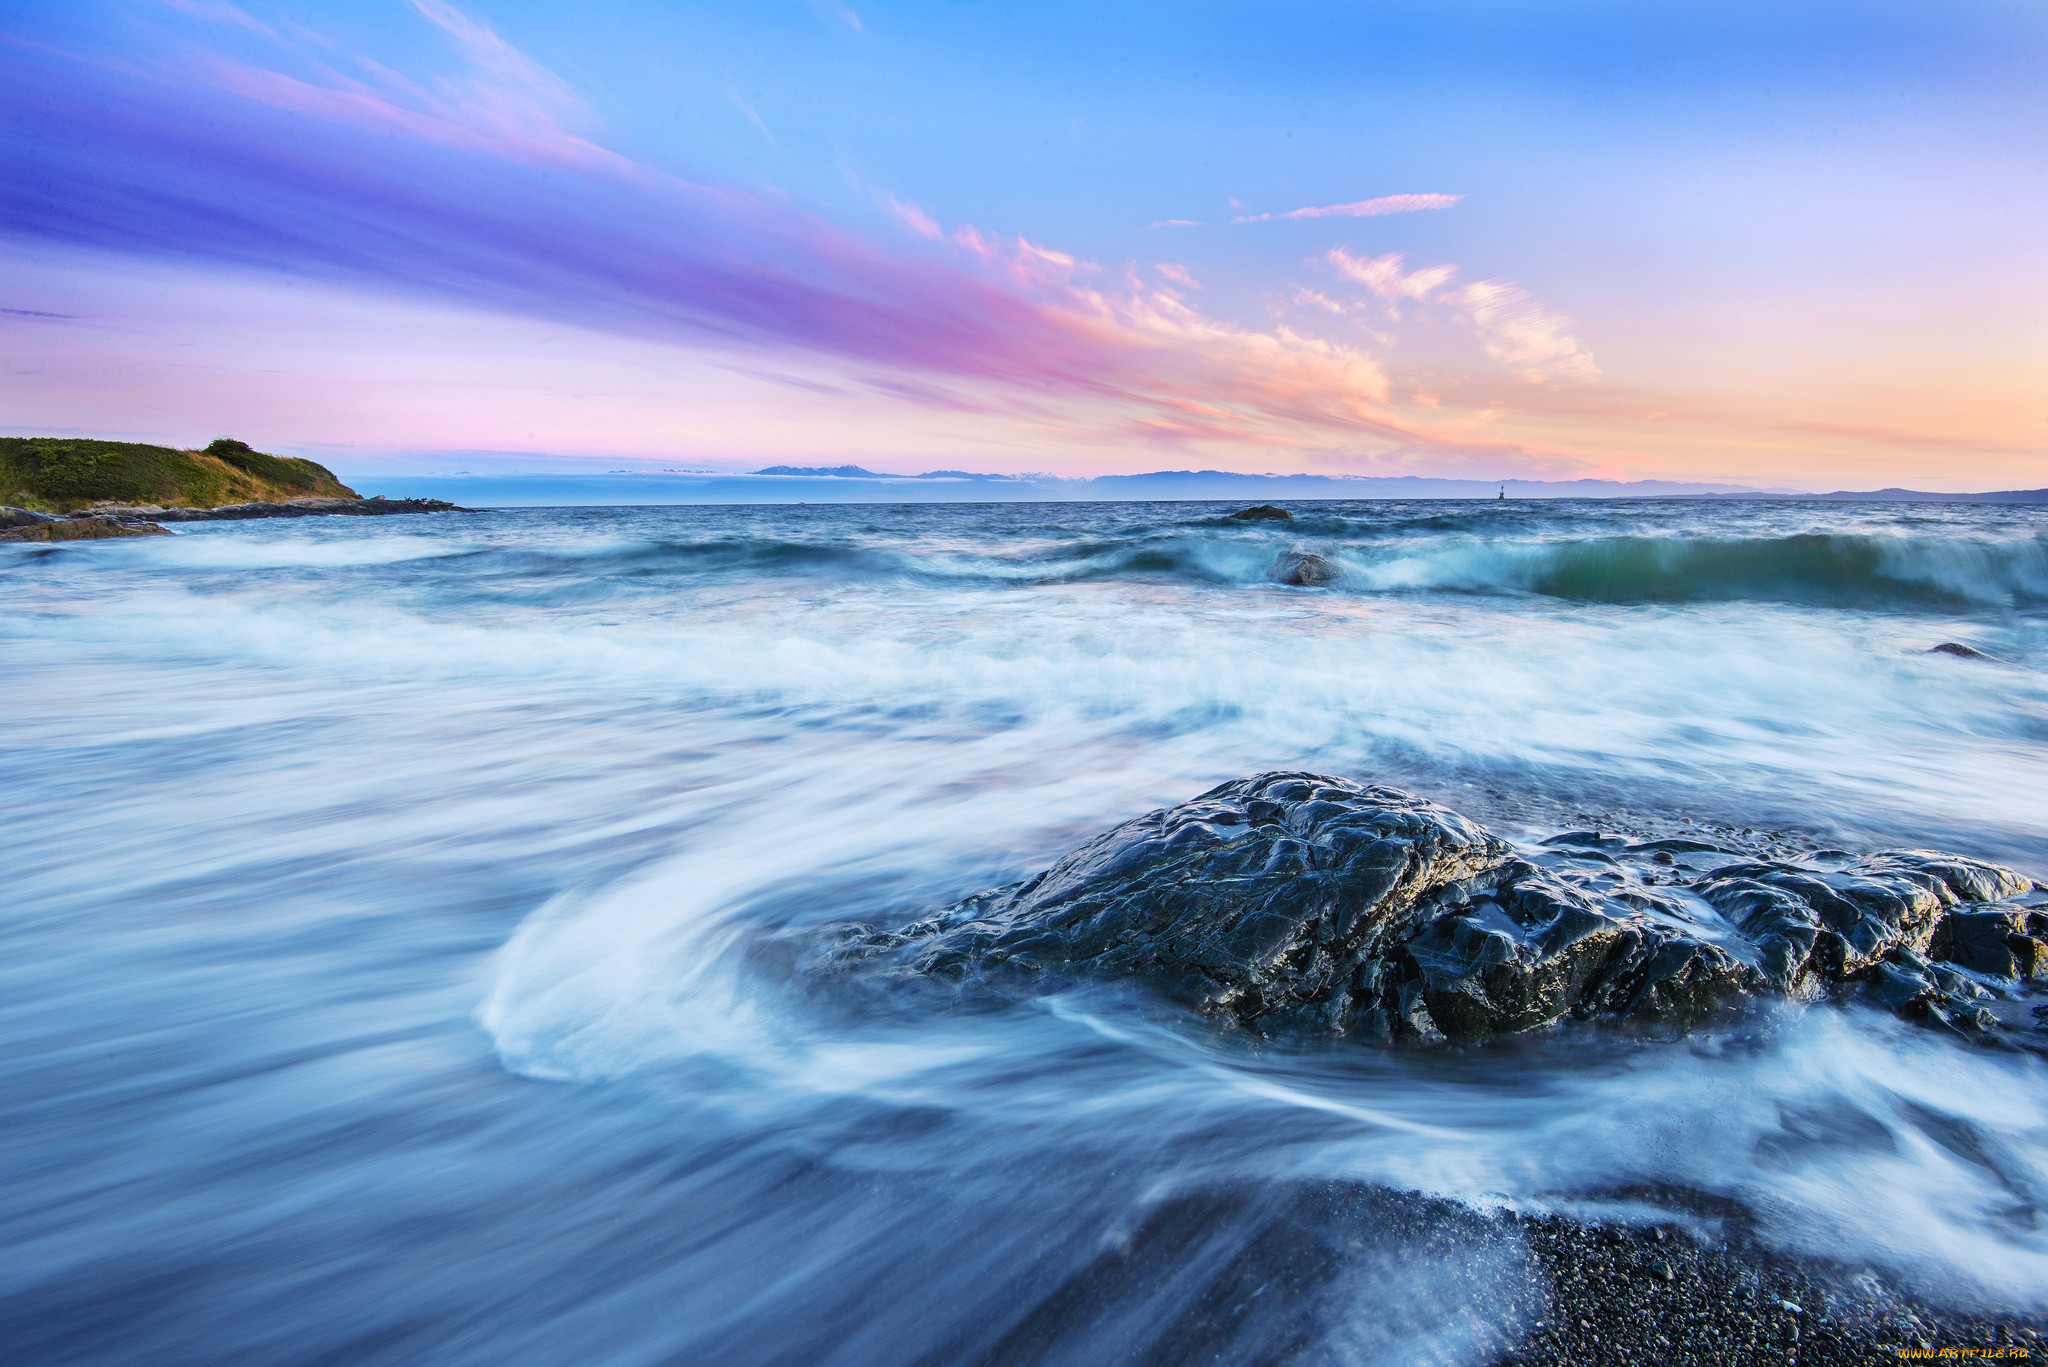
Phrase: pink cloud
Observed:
(1534, 344)
(473, 116)
(221, 12)
(1384, 276)
(433, 174)
(1364, 208)
(1178, 274)
(920, 222)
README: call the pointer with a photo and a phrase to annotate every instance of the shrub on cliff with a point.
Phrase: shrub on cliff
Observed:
(284, 471)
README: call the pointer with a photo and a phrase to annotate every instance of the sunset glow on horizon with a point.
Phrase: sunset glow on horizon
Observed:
(1787, 248)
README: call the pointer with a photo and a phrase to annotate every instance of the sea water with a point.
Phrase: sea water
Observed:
(394, 913)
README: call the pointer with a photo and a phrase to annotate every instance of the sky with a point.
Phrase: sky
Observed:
(1786, 244)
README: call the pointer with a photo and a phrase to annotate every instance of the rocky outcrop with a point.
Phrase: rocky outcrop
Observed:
(297, 507)
(142, 519)
(1265, 512)
(70, 528)
(1299, 901)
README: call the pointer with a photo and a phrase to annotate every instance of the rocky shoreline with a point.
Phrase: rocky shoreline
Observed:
(1295, 905)
(1520, 1288)
(146, 519)
(297, 507)
(1669, 1294)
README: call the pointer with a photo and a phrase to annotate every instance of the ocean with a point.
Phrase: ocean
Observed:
(398, 911)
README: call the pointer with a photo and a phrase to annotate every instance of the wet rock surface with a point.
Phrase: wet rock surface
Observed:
(1296, 901)
(1264, 512)
(74, 528)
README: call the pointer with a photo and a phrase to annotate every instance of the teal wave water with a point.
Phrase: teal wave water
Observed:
(391, 911)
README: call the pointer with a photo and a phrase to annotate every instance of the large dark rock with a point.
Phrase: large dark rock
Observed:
(1262, 897)
(1299, 901)
(1265, 512)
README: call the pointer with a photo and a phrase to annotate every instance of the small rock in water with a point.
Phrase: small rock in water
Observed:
(1265, 512)
(1957, 648)
(1303, 568)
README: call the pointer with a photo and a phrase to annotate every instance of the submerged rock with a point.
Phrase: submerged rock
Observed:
(1958, 649)
(1300, 901)
(1303, 568)
(1265, 512)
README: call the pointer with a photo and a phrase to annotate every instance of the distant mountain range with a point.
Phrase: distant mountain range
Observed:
(1206, 484)
(1228, 484)
(856, 484)
(1921, 496)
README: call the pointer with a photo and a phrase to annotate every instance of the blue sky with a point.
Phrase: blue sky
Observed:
(1777, 243)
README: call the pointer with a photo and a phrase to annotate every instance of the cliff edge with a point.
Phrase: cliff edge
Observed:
(70, 474)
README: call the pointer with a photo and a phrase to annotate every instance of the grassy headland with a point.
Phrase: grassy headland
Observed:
(66, 474)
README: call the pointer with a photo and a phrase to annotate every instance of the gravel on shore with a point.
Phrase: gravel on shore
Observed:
(1661, 1294)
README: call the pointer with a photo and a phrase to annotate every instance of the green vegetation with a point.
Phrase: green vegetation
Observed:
(66, 474)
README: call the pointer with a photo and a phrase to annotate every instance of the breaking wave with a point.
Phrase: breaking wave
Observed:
(1818, 569)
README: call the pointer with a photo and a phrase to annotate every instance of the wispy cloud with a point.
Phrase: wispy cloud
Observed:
(1385, 276)
(852, 20)
(1178, 274)
(221, 12)
(752, 117)
(919, 221)
(1176, 223)
(452, 185)
(1533, 343)
(1364, 208)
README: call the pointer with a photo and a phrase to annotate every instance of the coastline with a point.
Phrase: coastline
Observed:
(102, 521)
